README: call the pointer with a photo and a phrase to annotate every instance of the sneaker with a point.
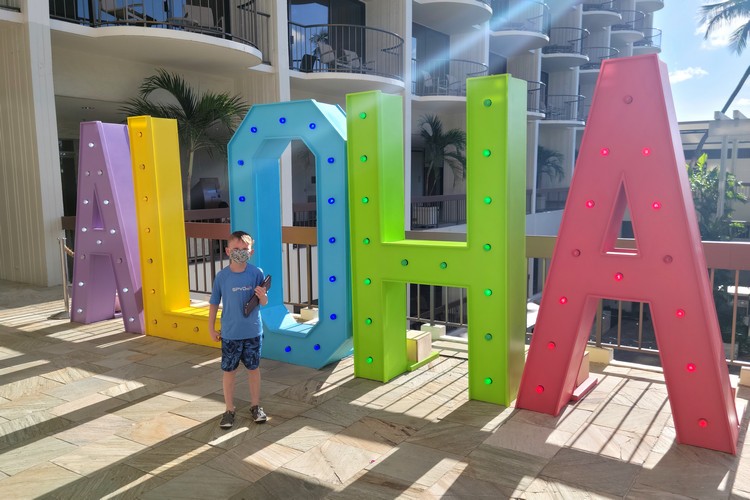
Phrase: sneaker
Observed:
(227, 420)
(258, 414)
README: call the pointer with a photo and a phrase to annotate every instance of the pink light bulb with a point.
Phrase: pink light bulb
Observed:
(702, 422)
(646, 151)
(551, 346)
(563, 300)
(539, 389)
(680, 313)
(690, 367)
(604, 151)
(590, 204)
(619, 276)
(656, 205)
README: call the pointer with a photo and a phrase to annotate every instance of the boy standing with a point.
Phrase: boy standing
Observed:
(241, 337)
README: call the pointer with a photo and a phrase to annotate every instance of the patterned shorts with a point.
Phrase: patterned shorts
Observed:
(247, 350)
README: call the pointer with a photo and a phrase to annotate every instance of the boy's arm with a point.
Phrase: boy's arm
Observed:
(213, 310)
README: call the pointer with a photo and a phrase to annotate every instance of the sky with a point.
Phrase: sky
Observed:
(703, 73)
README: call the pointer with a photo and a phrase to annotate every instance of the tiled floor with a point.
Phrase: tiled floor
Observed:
(88, 411)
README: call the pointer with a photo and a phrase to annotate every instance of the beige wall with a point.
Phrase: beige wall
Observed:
(30, 191)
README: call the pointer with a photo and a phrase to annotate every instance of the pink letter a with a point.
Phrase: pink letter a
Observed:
(631, 156)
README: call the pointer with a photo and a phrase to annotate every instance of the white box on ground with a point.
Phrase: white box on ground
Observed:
(418, 345)
(308, 313)
(436, 331)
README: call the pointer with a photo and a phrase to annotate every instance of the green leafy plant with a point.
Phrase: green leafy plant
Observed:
(204, 120)
(441, 149)
(704, 184)
(549, 163)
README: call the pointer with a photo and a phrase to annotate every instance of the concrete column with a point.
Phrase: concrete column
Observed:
(31, 190)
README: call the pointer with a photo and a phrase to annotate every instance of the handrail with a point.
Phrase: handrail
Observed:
(597, 55)
(242, 24)
(536, 97)
(651, 38)
(11, 5)
(599, 6)
(345, 48)
(565, 107)
(534, 17)
(632, 20)
(444, 76)
(565, 40)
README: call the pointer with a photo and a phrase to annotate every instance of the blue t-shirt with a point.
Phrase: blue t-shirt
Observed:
(233, 290)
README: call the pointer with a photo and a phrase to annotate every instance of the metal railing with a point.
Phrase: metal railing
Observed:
(598, 54)
(11, 5)
(444, 76)
(651, 38)
(435, 211)
(547, 199)
(242, 24)
(345, 48)
(536, 97)
(627, 327)
(623, 325)
(565, 41)
(533, 16)
(594, 6)
(632, 20)
(565, 108)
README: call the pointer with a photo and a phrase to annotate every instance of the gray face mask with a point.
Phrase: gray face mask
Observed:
(239, 255)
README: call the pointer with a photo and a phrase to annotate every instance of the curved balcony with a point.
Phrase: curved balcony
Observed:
(600, 14)
(568, 110)
(156, 31)
(451, 16)
(345, 57)
(651, 43)
(649, 5)
(444, 77)
(589, 72)
(630, 29)
(536, 100)
(565, 49)
(520, 29)
(441, 83)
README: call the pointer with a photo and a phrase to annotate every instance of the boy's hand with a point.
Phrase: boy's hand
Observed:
(215, 336)
(262, 294)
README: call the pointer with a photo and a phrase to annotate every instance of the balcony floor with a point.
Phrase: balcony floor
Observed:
(88, 411)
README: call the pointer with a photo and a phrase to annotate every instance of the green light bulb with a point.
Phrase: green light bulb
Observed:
(443, 265)
(487, 153)
(487, 200)
(366, 241)
(369, 359)
(404, 262)
(368, 321)
(368, 281)
(365, 200)
(363, 115)
(487, 336)
(487, 247)
(363, 158)
(488, 381)
(488, 292)
(488, 102)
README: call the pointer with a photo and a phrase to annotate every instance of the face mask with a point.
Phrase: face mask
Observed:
(239, 255)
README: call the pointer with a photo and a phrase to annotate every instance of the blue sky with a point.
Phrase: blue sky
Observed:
(702, 72)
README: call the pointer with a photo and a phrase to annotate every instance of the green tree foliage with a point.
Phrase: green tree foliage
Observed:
(716, 15)
(704, 184)
(204, 120)
(441, 149)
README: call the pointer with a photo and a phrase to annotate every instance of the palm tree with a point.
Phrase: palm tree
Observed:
(198, 115)
(441, 149)
(549, 163)
(718, 14)
(715, 15)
